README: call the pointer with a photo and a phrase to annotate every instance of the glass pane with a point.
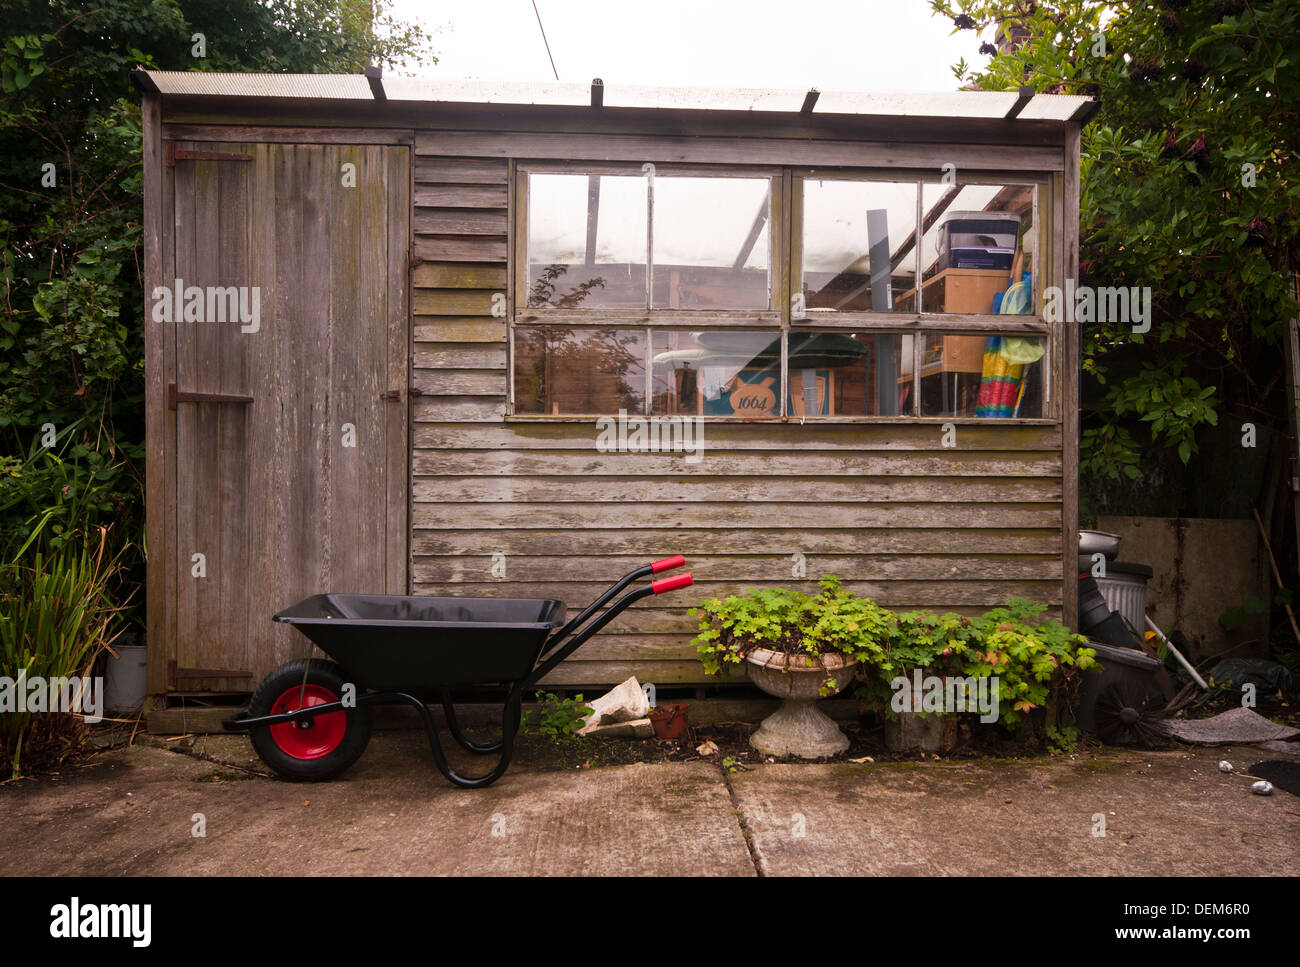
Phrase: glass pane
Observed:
(981, 240)
(712, 246)
(587, 241)
(842, 374)
(984, 376)
(858, 245)
(716, 374)
(581, 371)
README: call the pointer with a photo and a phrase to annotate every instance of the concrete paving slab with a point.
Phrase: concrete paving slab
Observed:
(132, 812)
(1166, 813)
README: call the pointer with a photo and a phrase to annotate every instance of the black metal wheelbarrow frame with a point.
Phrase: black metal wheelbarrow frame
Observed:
(386, 649)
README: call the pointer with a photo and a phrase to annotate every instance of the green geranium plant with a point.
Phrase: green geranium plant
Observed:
(1030, 657)
(800, 626)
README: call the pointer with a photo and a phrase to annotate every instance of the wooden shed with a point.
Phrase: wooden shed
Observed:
(393, 326)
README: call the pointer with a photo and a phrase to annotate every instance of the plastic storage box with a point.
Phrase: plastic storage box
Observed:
(978, 240)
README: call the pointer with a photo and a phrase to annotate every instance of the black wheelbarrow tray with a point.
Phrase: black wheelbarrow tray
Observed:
(309, 719)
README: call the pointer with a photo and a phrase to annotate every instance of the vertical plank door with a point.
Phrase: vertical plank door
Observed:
(290, 465)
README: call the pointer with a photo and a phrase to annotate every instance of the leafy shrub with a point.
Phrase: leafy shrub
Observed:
(836, 621)
(56, 615)
(1031, 658)
(560, 717)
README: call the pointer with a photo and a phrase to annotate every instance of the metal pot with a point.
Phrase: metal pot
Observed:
(1093, 542)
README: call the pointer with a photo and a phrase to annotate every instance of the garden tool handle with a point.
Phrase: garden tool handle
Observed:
(672, 583)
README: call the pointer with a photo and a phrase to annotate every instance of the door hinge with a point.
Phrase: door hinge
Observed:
(396, 394)
(173, 154)
(175, 673)
(175, 396)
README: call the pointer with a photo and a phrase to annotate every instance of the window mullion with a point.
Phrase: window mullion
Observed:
(916, 250)
(918, 354)
(649, 371)
(649, 238)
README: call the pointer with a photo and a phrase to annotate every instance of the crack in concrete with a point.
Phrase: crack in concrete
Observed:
(740, 820)
(209, 757)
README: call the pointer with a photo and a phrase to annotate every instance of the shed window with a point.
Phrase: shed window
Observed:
(763, 293)
(587, 241)
(979, 249)
(981, 375)
(859, 251)
(672, 242)
(858, 239)
(849, 374)
(721, 373)
(560, 371)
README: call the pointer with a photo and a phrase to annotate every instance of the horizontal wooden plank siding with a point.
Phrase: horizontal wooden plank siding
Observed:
(885, 505)
(665, 148)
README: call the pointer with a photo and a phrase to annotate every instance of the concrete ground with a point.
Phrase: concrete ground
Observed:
(134, 811)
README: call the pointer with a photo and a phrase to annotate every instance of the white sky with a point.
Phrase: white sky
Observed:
(846, 45)
(858, 45)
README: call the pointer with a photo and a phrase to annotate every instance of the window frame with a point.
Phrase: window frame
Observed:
(682, 318)
(785, 231)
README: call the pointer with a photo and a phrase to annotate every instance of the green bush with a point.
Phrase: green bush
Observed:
(835, 621)
(557, 717)
(1031, 657)
(56, 615)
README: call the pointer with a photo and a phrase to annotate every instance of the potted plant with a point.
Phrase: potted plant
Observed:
(1003, 665)
(796, 647)
(1038, 663)
(669, 721)
(924, 652)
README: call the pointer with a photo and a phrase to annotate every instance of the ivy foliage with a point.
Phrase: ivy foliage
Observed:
(72, 304)
(1190, 185)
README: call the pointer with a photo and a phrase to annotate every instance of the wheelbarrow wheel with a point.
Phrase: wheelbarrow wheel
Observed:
(315, 749)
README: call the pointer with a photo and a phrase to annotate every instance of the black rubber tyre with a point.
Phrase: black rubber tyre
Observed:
(292, 755)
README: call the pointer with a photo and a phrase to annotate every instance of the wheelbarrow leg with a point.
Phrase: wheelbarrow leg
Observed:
(453, 725)
(509, 716)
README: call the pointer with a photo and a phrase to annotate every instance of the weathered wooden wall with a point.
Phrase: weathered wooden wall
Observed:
(883, 505)
(886, 507)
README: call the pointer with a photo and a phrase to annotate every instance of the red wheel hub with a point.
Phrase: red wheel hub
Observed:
(311, 738)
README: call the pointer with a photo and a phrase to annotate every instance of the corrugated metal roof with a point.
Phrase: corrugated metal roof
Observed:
(964, 104)
(216, 84)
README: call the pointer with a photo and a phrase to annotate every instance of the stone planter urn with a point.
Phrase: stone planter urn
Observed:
(798, 727)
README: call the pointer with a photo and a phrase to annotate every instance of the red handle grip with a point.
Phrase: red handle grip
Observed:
(672, 583)
(667, 564)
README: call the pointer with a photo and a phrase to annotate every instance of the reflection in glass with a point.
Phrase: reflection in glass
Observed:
(859, 244)
(586, 241)
(586, 371)
(712, 243)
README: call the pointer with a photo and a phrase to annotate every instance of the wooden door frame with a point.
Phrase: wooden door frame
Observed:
(161, 531)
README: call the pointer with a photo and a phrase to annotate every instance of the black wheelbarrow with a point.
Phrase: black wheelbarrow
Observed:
(309, 720)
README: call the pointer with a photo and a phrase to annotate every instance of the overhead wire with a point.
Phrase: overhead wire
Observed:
(545, 41)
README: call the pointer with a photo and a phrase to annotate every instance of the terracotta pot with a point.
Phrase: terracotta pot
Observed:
(798, 727)
(669, 721)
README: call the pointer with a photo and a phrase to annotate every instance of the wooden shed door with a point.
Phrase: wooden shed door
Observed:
(290, 465)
